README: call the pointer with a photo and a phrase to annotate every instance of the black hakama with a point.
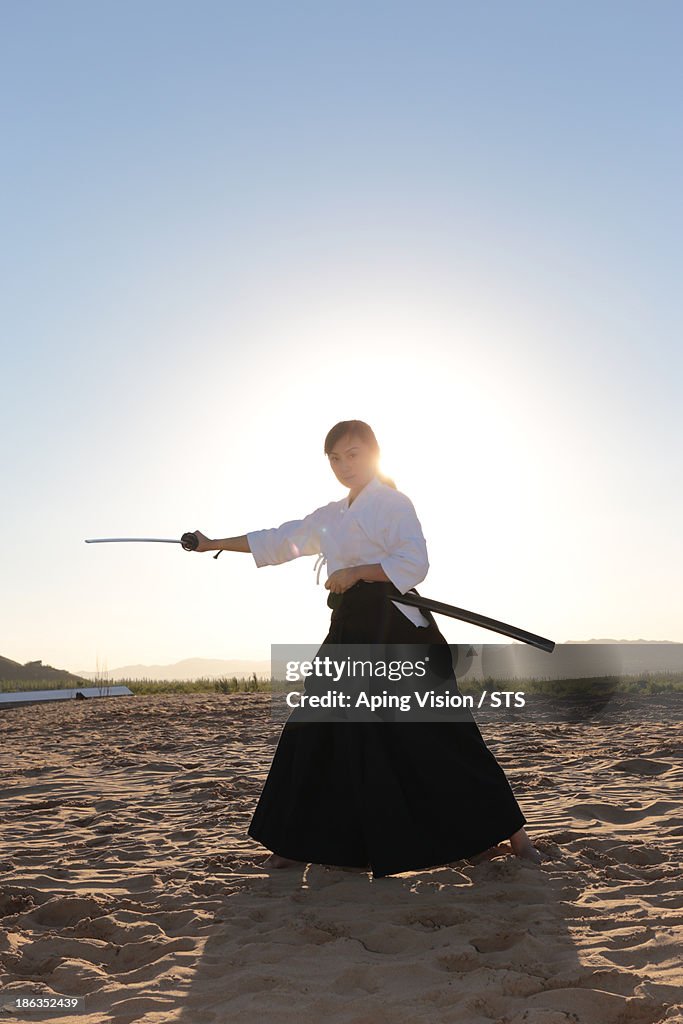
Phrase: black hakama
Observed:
(383, 795)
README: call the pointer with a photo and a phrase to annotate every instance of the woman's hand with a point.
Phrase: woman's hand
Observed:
(205, 544)
(342, 579)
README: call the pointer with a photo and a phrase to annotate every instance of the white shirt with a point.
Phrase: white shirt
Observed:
(380, 525)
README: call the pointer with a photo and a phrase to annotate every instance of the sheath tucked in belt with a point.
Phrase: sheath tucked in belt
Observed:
(364, 591)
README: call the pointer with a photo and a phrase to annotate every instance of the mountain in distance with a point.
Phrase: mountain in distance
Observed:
(15, 672)
(622, 641)
(189, 668)
(669, 657)
(628, 656)
(576, 659)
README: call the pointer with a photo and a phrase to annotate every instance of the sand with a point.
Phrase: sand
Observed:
(127, 877)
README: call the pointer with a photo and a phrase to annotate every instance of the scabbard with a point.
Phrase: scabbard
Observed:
(476, 619)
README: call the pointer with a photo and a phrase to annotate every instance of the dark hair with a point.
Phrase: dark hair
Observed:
(360, 429)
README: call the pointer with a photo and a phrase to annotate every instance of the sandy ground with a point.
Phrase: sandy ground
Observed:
(127, 877)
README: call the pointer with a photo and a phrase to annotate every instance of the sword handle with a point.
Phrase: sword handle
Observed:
(190, 542)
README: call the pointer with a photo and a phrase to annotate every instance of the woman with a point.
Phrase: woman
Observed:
(381, 795)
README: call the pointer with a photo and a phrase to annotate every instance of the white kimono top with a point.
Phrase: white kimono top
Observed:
(380, 525)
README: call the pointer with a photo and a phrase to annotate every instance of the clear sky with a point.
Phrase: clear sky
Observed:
(227, 226)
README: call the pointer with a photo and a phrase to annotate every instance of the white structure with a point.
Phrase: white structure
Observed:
(20, 697)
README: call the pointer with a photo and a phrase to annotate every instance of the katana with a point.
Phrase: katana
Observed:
(126, 540)
(189, 541)
(475, 618)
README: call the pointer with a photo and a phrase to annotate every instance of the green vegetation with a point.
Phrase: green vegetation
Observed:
(220, 685)
(223, 684)
(643, 683)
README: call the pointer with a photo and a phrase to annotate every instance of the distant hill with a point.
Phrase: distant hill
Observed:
(15, 672)
(573, 660)
(622, 641)
(620, 656)
(631, 656)
(190, 668)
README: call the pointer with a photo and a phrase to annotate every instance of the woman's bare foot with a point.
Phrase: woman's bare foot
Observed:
(524, 848)
(493, 851)
(276, 861)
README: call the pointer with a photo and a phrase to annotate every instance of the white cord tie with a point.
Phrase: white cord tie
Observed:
(319, 562)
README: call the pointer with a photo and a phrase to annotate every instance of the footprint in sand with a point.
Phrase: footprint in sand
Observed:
(459, 962)
(496, 943)
(616, 815)
(641, 766)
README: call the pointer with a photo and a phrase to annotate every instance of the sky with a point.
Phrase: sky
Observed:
(226, 227)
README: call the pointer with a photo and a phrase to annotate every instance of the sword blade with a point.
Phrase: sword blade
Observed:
(144, 540)
(476, 619)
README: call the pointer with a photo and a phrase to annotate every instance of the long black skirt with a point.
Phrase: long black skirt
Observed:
(383, 795)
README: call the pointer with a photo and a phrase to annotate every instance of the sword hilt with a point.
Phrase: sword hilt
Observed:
(190, 542)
